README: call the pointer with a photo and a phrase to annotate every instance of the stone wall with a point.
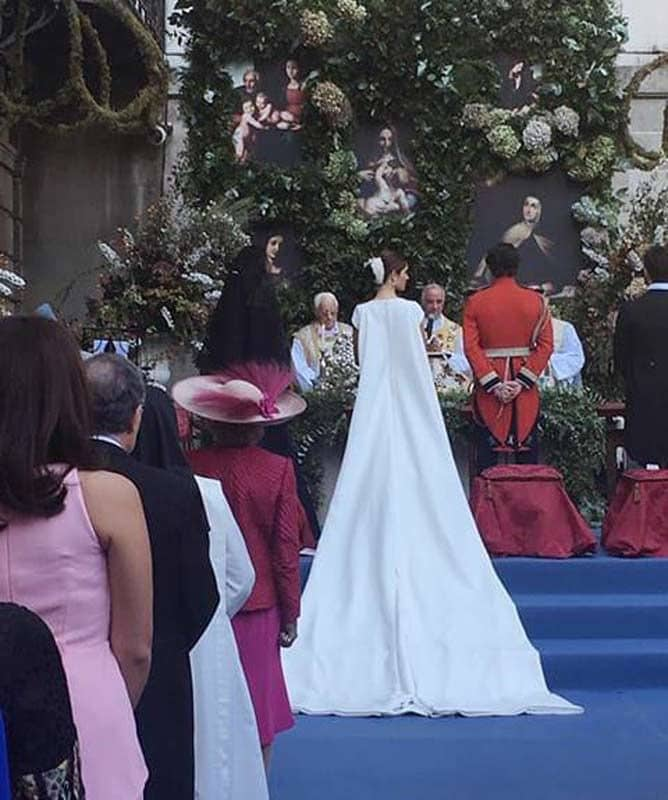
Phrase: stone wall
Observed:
(78, 189)
(648, 37)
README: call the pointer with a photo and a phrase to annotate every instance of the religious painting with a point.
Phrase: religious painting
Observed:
(533, 213)
(281, 251)
(520, 81)
(268, 116)
(388, 178)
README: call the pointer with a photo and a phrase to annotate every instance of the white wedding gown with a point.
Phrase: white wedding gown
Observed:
(403, 612)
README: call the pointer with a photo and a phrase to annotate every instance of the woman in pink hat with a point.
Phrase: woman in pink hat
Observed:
(261, 490)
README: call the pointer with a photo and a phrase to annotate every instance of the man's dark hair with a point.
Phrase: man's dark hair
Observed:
(117, 390)
(503, 260)
(656, 263)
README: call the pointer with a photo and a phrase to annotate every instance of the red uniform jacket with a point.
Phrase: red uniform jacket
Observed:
(261, 490)
(507, 335)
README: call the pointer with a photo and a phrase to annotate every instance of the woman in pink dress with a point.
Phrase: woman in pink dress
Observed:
(74, 548)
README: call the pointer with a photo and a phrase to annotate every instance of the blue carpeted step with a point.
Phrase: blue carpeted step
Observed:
(597, 574)
(594, 616)
(604, 663)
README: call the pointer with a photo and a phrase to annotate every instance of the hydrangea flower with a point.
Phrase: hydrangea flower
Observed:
(332, 103)
(476, 116)
(504, 142)
(537, 135)
(316, 28)
(567, 121)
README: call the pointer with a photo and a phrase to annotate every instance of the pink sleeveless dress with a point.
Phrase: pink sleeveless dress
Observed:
(57, 568)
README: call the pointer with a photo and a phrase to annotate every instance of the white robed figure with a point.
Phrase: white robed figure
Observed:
(228, 757)
(403, 611)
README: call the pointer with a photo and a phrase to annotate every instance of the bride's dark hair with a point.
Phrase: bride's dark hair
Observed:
(392, 262)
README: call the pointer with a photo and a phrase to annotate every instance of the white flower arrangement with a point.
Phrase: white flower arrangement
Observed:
(537, 135)
(567, 121)
(110, 255)
(199, 277)
(166, 314)
(10, 282)
(351, 11)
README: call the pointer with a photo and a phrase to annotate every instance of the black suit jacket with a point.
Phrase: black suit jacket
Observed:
(641, 357)
(185, 597)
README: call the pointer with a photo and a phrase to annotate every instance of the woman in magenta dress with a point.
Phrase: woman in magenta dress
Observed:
(74, 548)
(261, 490)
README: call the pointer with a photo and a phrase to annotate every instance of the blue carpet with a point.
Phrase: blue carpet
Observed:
(617, 750)
(601, 626)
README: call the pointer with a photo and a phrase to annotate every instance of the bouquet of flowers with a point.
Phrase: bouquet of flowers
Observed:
(166, 277)
(11, 285)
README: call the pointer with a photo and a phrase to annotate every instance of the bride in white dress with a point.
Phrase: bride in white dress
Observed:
(403, 612)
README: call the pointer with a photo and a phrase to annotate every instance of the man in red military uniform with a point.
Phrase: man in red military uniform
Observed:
(508, 342)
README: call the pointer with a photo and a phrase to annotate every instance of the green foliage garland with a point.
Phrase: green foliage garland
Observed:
(75, 105)
(411, 63)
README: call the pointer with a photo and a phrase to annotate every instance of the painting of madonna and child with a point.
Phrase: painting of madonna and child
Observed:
(267, 118)
(388, 180)
(533, 213)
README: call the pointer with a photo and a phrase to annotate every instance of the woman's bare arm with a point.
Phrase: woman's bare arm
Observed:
(117, 516)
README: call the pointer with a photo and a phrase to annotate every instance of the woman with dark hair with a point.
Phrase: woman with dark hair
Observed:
(403, 612)
(246, 326)
(35, 705)
(74, 548)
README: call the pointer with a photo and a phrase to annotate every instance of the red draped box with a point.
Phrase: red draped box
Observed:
(637, 520)
(524, 510)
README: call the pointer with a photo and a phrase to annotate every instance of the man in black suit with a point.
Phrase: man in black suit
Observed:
(185, 592)
(641, 357)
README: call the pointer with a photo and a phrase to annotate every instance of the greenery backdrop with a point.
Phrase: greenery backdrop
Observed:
(427, 65)
(430, 68)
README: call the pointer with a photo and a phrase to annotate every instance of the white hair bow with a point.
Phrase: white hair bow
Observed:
(376, 266)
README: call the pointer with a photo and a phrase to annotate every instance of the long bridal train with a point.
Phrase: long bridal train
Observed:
(403, 612)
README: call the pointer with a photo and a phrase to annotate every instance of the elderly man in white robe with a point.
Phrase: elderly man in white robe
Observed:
(315, 342)
(444, 341)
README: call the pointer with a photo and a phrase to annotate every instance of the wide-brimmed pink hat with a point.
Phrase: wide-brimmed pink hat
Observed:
(247, 394)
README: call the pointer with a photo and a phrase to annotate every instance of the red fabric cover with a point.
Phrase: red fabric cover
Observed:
(262, 492)
(637, 520)
(523, 510)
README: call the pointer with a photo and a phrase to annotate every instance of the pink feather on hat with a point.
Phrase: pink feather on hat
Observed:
(271, 380)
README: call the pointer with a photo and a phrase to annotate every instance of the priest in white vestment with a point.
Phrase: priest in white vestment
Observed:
(564, 368)
(315, 342)
(444, 341)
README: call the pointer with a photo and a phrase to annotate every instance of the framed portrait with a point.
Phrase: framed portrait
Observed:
(520, 81)
(533, 213)
(389, 183)
(269, 111)
(283, 257)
